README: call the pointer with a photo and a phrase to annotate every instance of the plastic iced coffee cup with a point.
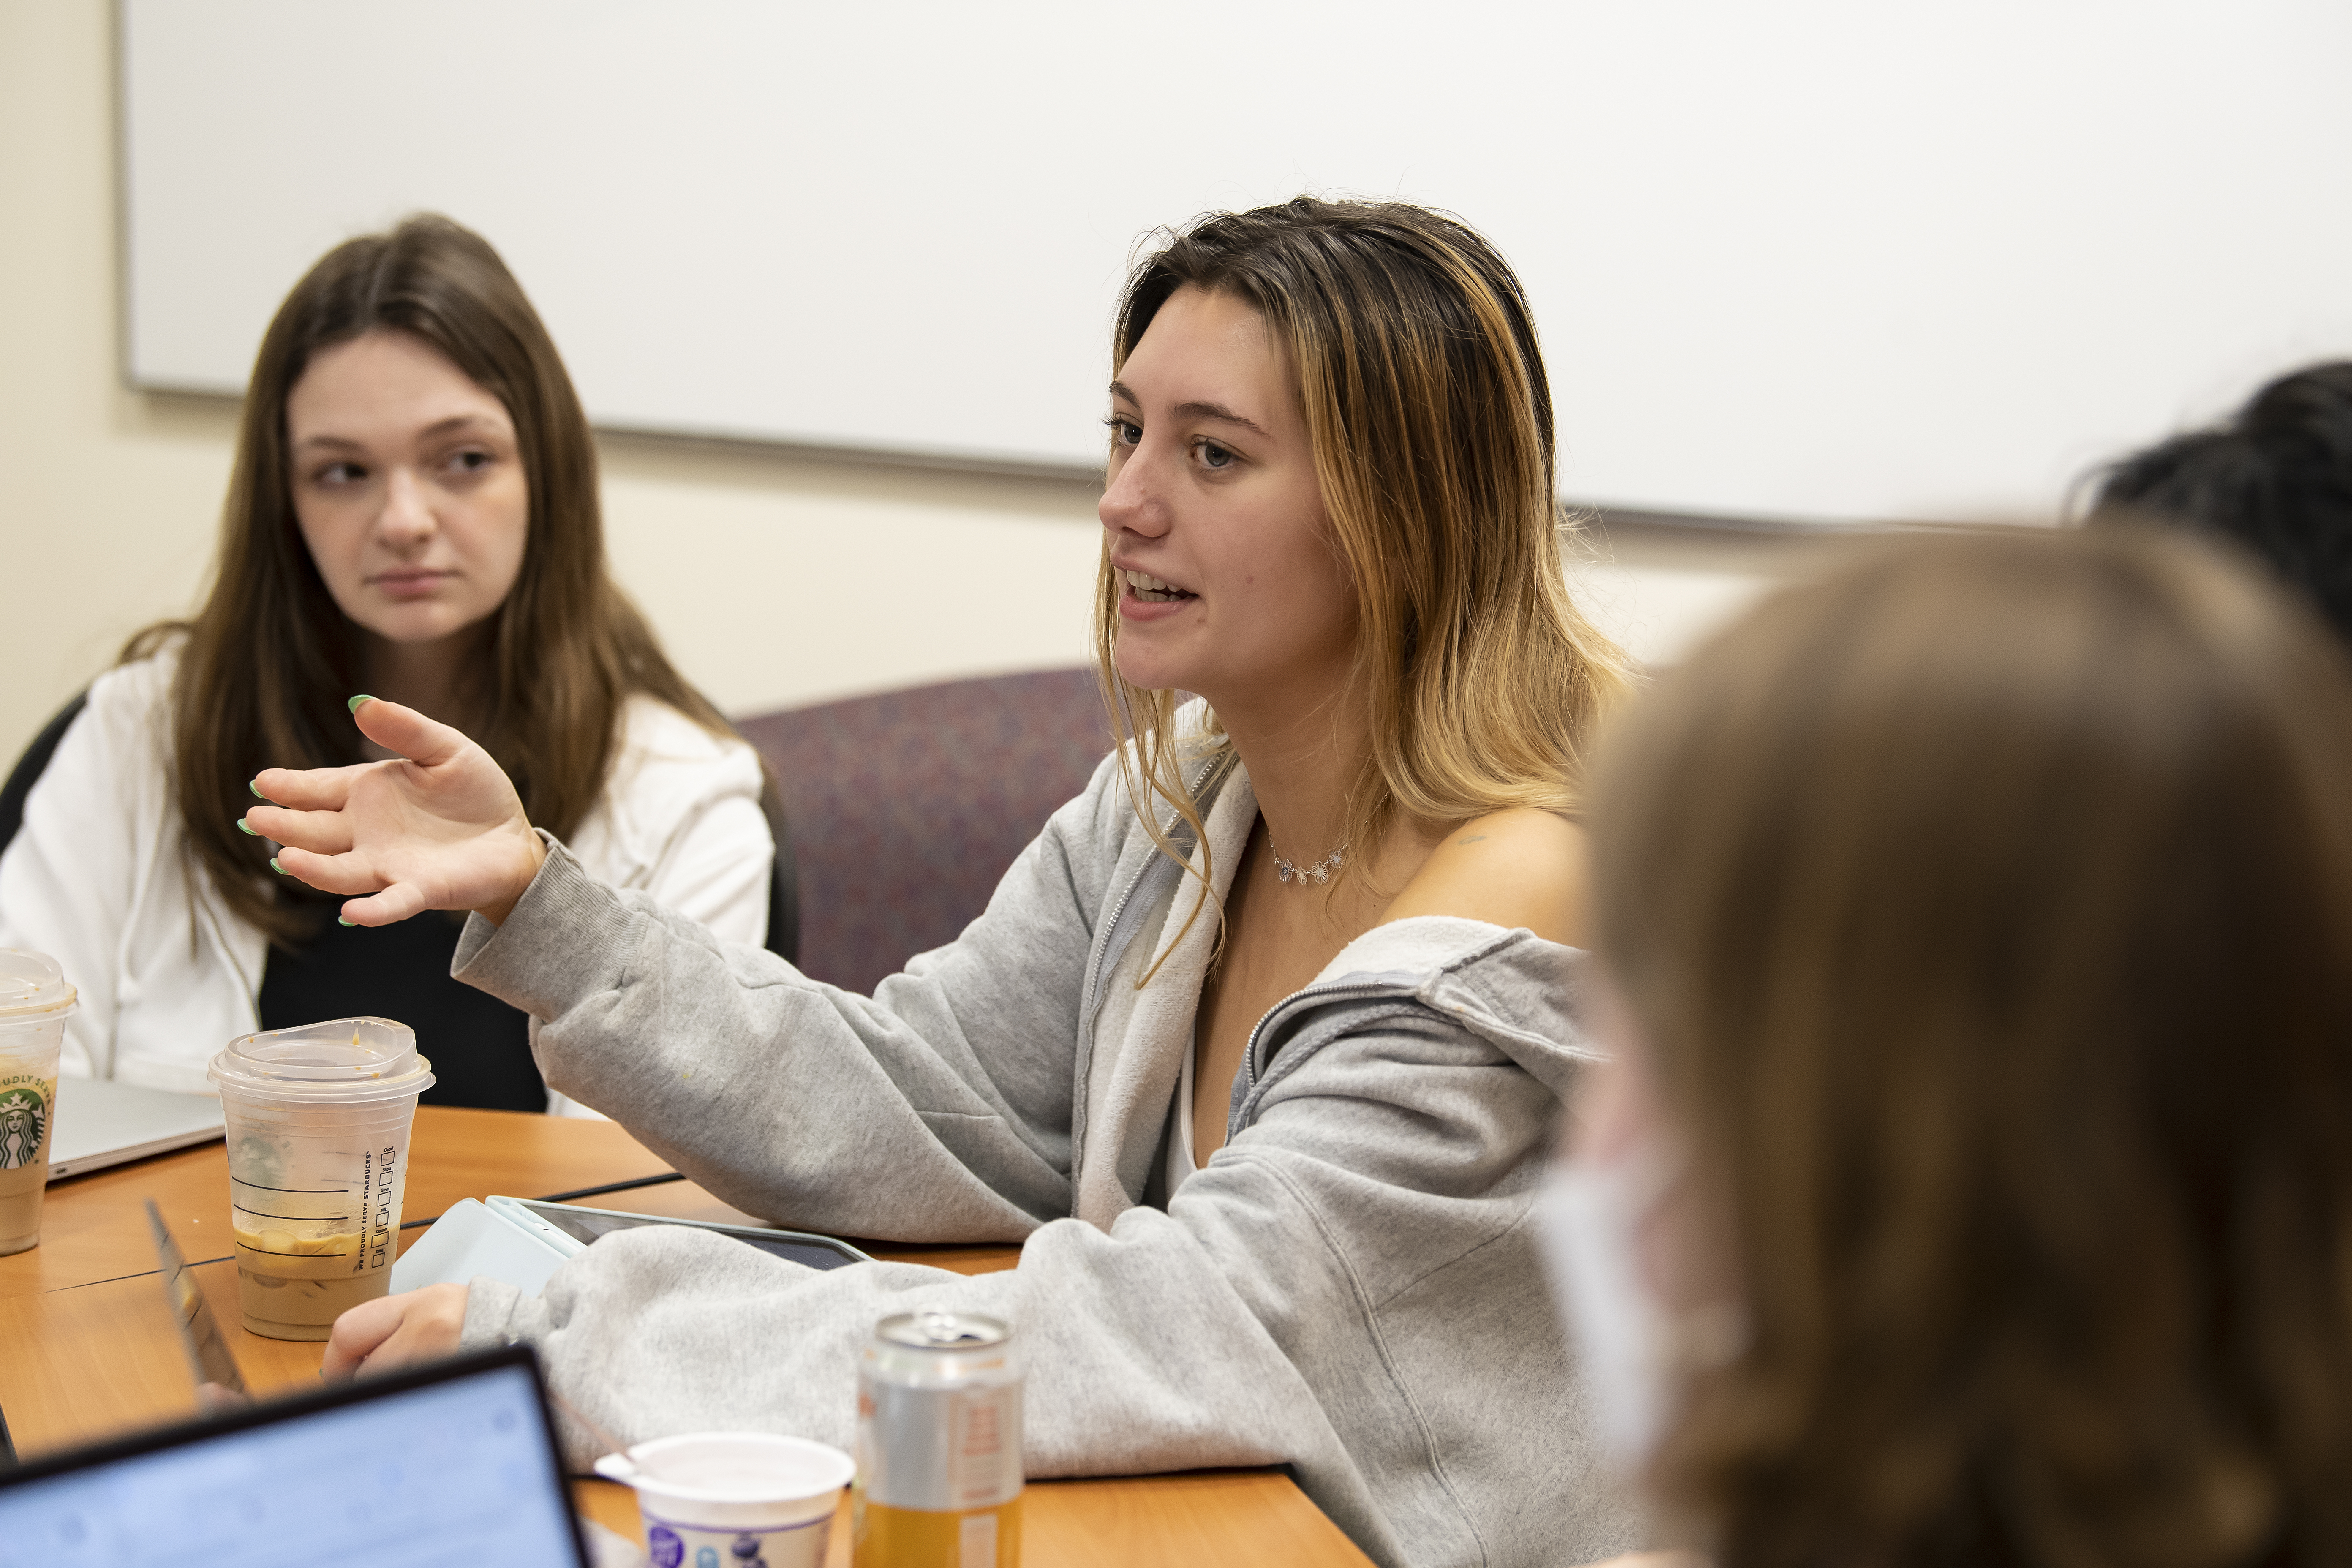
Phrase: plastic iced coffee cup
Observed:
(35, 1000)
(318, 1124)
(734, 1497)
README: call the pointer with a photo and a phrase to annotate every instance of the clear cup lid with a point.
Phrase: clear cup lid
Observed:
(341, 1059)
(32, 985)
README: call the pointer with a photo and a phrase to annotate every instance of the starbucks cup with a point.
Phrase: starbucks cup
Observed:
(712, 1499)
(318, 1126)
(34, 1001)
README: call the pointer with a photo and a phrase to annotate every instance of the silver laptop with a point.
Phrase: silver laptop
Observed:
(101, 1123)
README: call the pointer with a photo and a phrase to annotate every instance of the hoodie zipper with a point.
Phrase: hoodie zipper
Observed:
(1103, 962)
(1322, 991)
(1119, 911)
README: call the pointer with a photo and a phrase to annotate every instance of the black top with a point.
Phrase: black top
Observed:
(479, 1047)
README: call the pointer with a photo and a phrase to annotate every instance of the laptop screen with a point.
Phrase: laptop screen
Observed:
(455, 1468)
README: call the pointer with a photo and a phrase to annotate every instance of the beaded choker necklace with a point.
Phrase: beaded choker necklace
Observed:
(1319, 872)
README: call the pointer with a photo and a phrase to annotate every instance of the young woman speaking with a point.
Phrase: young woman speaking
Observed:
(1258, 1047)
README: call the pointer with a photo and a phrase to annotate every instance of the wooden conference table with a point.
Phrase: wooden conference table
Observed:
(91, 1349)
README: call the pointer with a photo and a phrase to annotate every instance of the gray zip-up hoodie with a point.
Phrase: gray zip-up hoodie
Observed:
(1349, 1287)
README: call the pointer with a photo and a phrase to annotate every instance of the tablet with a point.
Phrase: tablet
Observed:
(589, 1225)
(209, 1358)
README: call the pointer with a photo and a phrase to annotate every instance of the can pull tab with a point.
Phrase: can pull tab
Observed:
(947, 1329)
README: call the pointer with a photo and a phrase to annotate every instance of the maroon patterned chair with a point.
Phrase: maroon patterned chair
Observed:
(906, 808)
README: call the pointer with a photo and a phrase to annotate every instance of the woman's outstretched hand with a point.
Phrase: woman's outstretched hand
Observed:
(437, 827)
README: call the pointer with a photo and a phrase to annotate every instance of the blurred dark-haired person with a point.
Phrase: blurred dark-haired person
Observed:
(2275, 477)
(413, 512)
(1969, 1182)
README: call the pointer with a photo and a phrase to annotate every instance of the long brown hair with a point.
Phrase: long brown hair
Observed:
(267, 666)
(1987, 906)
(1431, 422)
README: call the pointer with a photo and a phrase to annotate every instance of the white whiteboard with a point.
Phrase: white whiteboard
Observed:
(1817, 259)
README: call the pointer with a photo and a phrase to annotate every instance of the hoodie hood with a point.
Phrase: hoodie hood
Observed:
(1516, 991)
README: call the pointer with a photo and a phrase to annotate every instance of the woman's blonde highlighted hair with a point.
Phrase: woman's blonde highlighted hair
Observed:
(1432, 421)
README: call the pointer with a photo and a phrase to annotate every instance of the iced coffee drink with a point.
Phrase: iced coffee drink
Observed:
(24, 1141)
(35, 1002)
(317, 1122)
(290, 1282)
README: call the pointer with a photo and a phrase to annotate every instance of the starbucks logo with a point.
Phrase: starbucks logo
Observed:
(24, 1117)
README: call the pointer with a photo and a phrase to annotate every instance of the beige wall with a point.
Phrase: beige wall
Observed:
(775, 578)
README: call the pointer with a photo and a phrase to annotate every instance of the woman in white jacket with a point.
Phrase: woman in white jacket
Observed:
(413, 512)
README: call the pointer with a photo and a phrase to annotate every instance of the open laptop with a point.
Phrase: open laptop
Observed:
(100, 1122)
(455, 1462)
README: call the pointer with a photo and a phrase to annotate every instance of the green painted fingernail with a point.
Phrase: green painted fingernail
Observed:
(245, 827)
(357, 701)
(254, 783)
(341, 921)
(276, 867)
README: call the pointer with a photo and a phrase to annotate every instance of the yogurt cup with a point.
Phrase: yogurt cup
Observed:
(35, 1000)
(717, 1500)
(318, 1120)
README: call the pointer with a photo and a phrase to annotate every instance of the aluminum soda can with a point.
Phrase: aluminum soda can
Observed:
(938, 1445)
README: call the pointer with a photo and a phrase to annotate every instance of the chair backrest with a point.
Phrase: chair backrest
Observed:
(31, 765)
(907, 808)
(783, 878)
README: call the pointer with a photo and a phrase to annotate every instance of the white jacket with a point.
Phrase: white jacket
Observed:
(101, 878)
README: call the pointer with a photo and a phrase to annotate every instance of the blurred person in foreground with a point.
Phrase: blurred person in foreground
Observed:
(1970, 1184)
(2275, 477)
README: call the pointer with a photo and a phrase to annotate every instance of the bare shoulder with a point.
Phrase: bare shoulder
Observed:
(1516, 868)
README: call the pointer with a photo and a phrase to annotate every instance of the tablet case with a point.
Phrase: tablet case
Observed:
(500, 1239)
